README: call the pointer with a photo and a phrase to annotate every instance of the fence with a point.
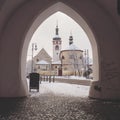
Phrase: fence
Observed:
(48, 78)
(65, 79)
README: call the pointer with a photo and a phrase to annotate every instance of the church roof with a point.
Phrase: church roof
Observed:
(56, 37)
(72, 47)
(56, 62)
(43, 55)
(42, 62)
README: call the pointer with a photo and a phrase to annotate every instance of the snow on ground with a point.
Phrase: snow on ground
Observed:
(72, 77)
(64, 89)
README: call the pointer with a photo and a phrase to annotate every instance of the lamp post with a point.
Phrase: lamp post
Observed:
(60, 70)
(85, 60)
(34, 47)
(86, 53)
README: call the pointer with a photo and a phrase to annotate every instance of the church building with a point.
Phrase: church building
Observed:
(72, 59)
(67, 61)
(57, 45)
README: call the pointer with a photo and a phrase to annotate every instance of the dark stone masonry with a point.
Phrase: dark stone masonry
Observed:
(54, 107)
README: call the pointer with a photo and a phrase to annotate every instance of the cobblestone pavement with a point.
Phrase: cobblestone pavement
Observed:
(54, 107)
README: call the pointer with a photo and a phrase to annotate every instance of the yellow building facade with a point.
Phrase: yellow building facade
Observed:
(72, 61)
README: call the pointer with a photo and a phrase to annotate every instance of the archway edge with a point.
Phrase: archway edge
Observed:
(59, 6)
(14, 55)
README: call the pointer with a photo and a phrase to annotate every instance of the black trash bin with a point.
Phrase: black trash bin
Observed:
(34, 81)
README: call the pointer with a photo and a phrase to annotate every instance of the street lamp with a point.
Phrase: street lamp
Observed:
(34, 47)
(85, 60)
(86, 53)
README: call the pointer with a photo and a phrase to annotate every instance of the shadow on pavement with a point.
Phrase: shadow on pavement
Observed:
(10, 105)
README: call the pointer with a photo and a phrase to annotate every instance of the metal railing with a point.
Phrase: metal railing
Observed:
(47, 78)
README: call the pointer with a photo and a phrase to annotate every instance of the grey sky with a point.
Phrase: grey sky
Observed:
(46, 31)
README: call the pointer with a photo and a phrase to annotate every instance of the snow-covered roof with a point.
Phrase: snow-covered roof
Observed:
(56, 37)
(72, 47)
(42, 62)
(56, 62)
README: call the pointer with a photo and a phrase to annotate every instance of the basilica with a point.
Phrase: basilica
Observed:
(69, 61)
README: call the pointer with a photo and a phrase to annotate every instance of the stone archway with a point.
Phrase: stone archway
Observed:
(59, 6)
(23, 21)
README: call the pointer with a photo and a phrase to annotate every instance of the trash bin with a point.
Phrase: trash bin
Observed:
(34, 81)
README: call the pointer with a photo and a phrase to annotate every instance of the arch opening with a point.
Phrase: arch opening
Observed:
(75, 16)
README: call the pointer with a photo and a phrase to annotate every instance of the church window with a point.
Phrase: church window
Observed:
(37, 59)
(63, 57)
(56, 47)
(55, 66)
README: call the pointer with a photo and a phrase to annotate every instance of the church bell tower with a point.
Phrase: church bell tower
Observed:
(56, 45)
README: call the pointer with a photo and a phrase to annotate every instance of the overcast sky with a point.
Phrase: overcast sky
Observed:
(46, 31)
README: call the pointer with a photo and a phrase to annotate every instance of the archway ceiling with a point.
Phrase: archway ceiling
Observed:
(8, 6)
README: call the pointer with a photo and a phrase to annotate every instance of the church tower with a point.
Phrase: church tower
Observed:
(56, 45)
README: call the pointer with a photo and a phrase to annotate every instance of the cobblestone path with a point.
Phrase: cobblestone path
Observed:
(53, 107)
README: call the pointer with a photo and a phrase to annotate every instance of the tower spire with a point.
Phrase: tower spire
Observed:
(70, 38)
(56, 44)
(57, 29)
(57, 23)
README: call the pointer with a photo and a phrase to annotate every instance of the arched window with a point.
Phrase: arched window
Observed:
(56, 47)
(37, 59)
(63, 57)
